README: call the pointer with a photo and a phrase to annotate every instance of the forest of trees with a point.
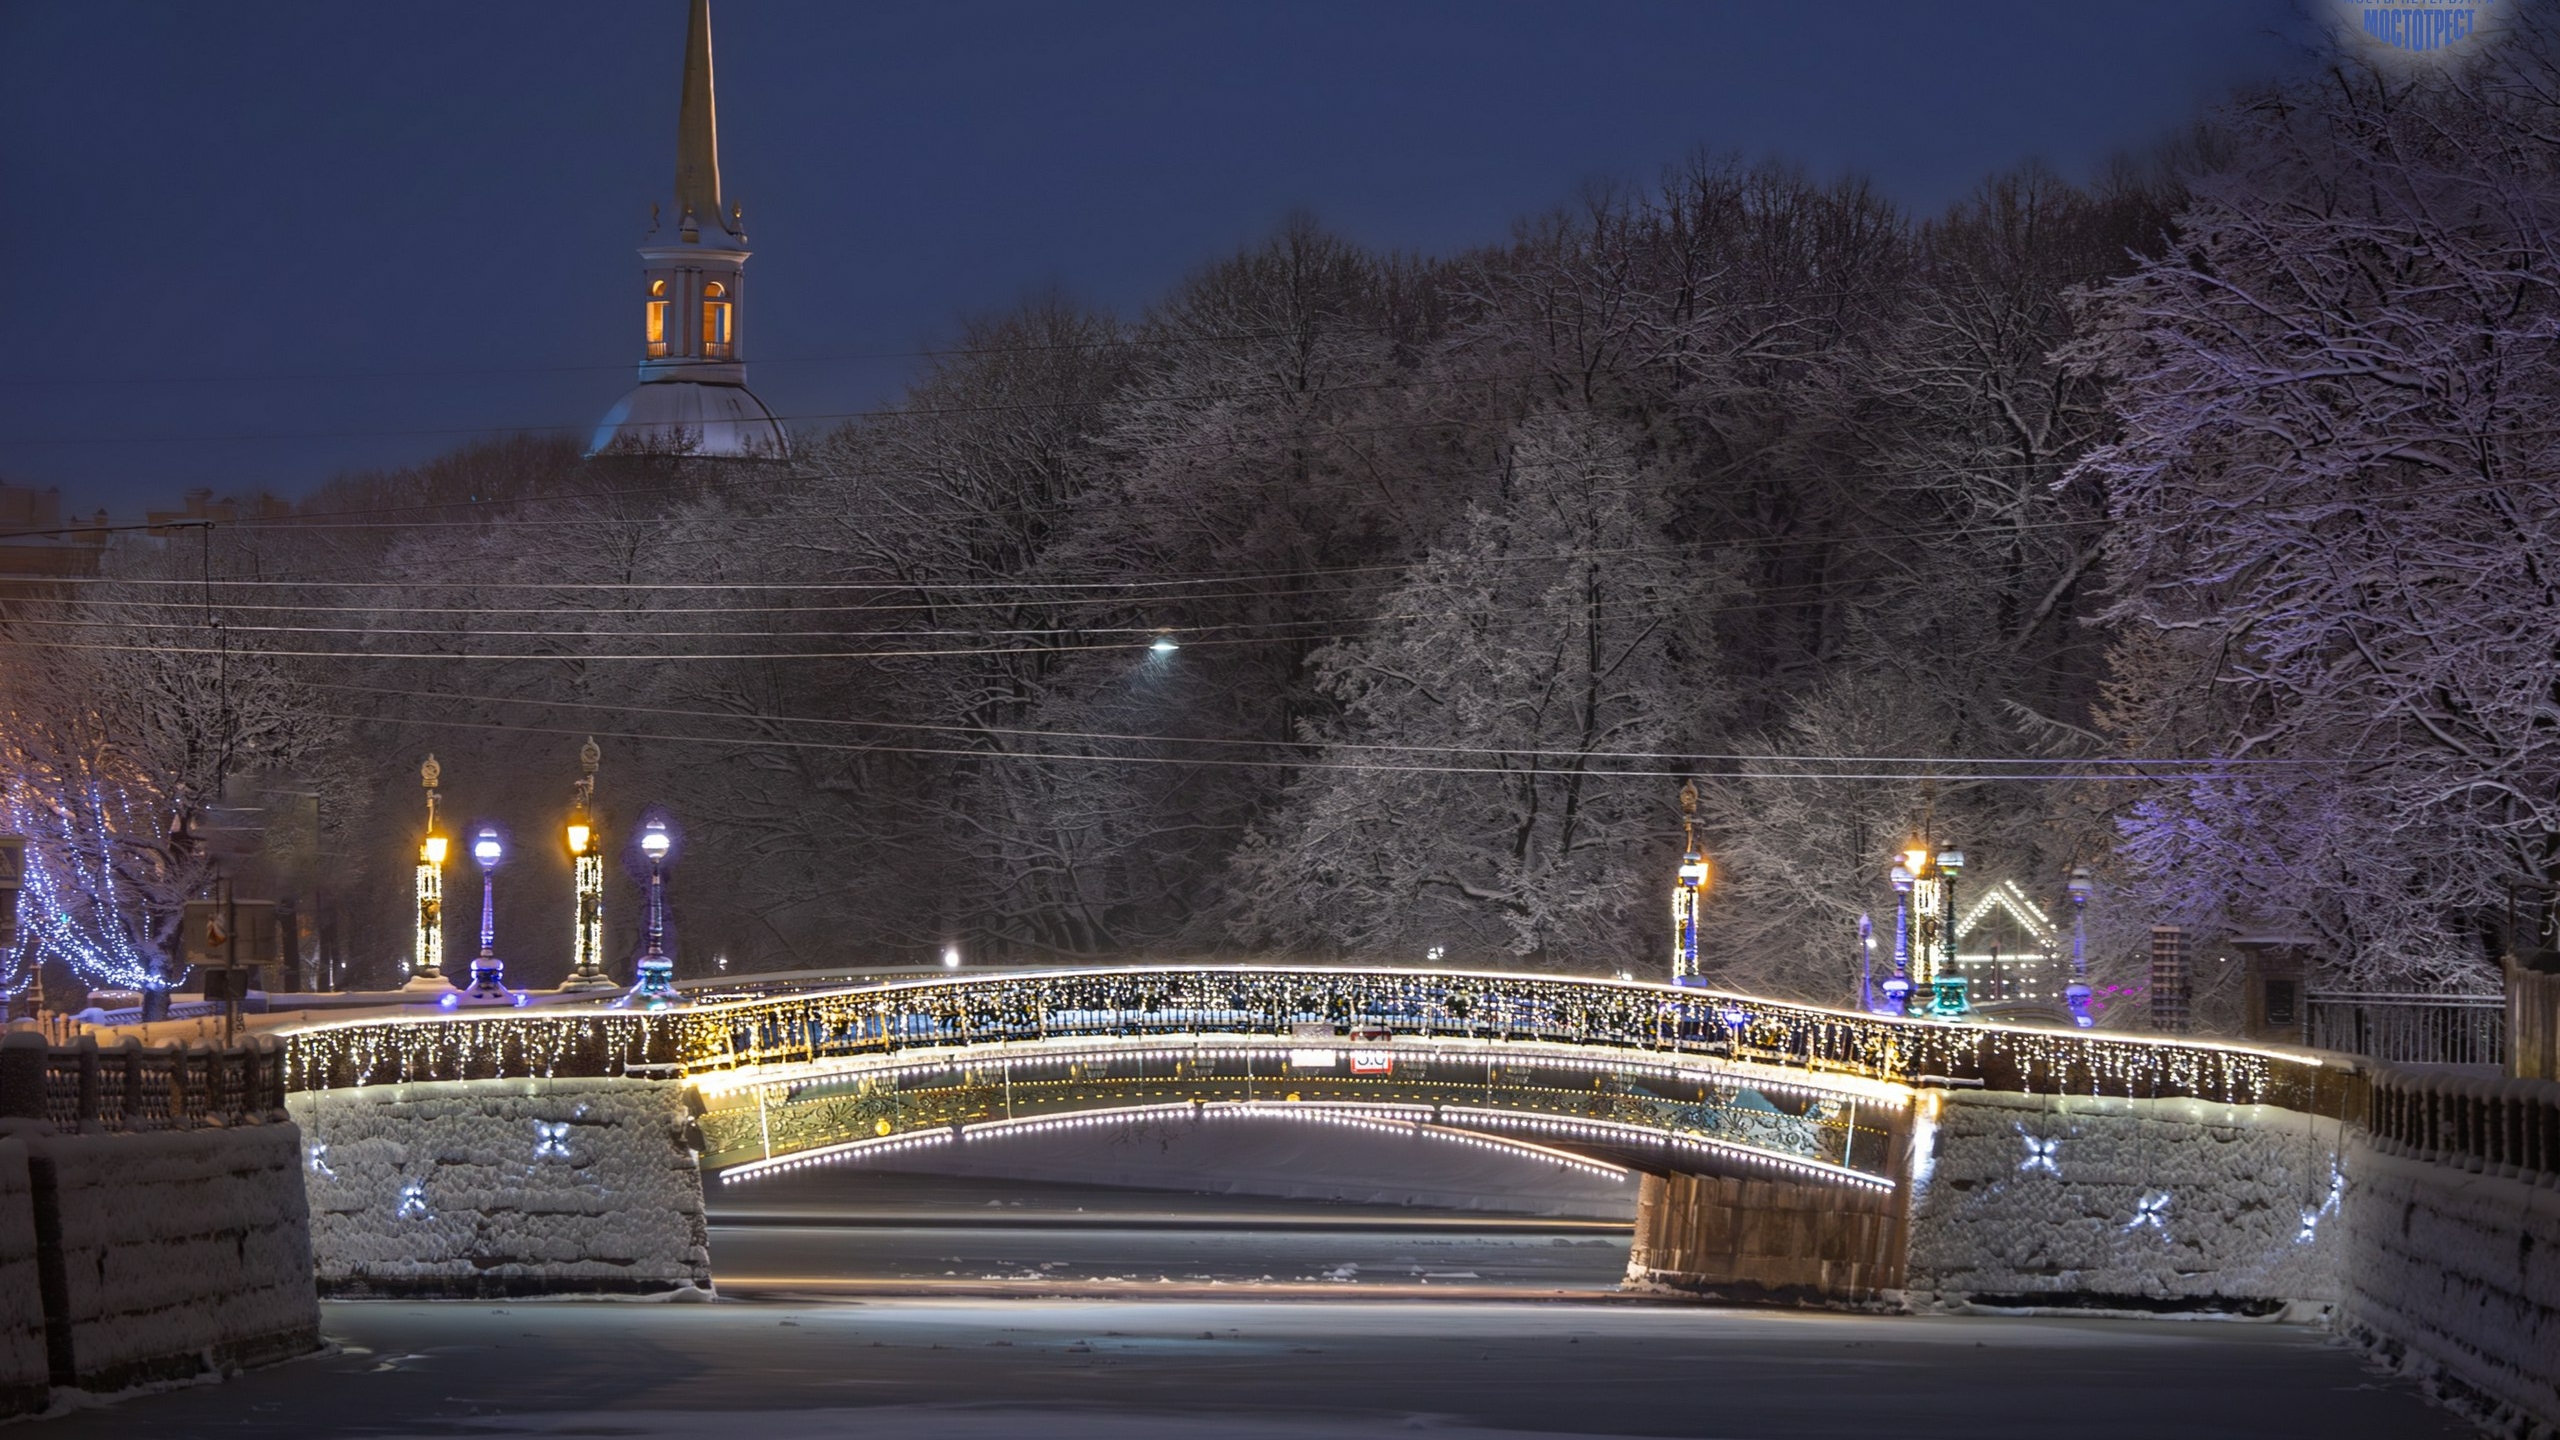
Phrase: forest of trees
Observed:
(2194, 524)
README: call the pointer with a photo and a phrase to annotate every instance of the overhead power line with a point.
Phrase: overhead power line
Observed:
(887, 413)
(1210, 762)
(970, 728)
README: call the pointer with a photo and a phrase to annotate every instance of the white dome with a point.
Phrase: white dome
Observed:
(690, 417)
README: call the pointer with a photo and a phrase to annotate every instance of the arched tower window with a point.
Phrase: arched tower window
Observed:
(655, 326)
(716, 339)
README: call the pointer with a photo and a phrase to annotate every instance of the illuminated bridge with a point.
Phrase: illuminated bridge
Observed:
(1781, 1152)
(1784, 1147)
(768, 1034)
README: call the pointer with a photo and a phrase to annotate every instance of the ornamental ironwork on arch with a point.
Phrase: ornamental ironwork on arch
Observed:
(1269, 1000)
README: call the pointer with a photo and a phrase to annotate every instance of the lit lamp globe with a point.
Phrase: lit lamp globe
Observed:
(586, 926)
(654, 987)
(488, 973)
(426, 958)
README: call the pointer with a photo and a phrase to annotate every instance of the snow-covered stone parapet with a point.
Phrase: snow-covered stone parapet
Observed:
(504, 1187)
(180, 1252)
(2137, 1204)
(2457, 1276)
(24, 1377)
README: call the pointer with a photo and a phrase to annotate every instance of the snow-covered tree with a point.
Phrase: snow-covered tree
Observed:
(2334, 515)
(1465, 801)
(121, 721)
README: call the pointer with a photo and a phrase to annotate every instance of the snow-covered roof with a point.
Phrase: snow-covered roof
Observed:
(691, 417)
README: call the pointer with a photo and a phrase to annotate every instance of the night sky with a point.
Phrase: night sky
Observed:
(251, 245)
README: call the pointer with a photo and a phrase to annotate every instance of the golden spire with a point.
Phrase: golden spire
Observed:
(698, 133)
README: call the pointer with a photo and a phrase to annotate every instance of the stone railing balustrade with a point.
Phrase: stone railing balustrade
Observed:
(85, 1088)
(2491, 1126)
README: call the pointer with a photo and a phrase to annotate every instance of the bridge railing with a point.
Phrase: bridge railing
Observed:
(2401, 1029)
(1271, 999)
(131, 1087)
(2496, 1126)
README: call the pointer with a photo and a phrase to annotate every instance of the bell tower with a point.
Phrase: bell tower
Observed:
(692, 397)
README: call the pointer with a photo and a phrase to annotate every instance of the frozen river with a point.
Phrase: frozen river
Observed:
(916, 1233)
(945, 1308)
(1339, 1369)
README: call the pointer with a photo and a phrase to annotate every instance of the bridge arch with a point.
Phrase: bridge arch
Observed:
(1611, 1109)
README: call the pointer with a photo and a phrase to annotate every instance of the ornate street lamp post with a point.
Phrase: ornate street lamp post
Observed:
(1689, 888)
(1897, 989)
(1866, 962)
(1949, 987)
(655, 987)
(488, 983)
(426, 959)
(2076, 994)
(586, 969)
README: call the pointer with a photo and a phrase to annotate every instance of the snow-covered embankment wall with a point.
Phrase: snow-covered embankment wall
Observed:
(179, 1252)
(484, 1188)
(152, 1220)
(2035, 1200)
(25, 1378)
(2456, 1276)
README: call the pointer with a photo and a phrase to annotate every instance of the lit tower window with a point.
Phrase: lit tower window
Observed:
(715, 320)
(656, 324)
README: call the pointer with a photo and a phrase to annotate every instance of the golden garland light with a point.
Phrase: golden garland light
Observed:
(426, 960)
(1143, 1000)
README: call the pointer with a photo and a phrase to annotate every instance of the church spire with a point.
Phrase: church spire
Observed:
(692, 397)
(698, 134)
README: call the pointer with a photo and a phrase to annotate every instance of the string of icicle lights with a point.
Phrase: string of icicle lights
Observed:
(1165, 1001)
(1394, 1120)
(782, 1078)
(77, 901)
(803, 1107)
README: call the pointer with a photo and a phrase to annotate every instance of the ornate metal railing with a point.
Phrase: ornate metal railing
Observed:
(1270, 1000)
(85, 1087)
(2493, 1126)
(2399, 1029)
